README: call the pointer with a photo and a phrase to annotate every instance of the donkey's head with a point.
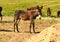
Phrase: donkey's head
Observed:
(39, 8)
(36, 13)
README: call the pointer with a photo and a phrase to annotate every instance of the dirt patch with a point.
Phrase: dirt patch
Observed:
(50, 34)
(8, 35)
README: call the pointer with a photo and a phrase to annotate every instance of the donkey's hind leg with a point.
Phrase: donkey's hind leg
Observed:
(14, 24)
(1, 18)
(17, 22)
(30, 28)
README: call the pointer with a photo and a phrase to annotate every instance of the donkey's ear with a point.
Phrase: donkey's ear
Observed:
(0, 8)
(41, 7)
(37, 6)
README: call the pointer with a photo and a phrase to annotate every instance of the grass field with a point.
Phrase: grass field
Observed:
(9, 6)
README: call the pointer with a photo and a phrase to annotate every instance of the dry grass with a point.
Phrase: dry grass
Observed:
(7, 34)
(51, 34)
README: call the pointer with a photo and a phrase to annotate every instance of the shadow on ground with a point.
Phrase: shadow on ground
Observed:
(6, 21)
(5, 30)
(30, 32)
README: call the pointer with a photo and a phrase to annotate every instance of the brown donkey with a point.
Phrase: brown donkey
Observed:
(58, 13)
(0, 12)
(48, 11)
(26, 15)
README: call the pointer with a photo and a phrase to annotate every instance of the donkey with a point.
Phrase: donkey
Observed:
(58, 13)
(48, 11)
(0, 12)
(26, 15)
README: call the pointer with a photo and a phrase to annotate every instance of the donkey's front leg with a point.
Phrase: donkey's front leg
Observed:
(33, 24)
(14, 27)
(30, 28)
(33, 27)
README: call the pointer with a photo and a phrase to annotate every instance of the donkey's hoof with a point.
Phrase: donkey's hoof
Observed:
(30, 32)
(14, 30)
(36, 32)
(17, 31)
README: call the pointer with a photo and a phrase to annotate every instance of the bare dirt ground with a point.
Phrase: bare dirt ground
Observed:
(51, 34)
(8, 35)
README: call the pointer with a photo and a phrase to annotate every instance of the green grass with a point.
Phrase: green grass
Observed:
(9, 6)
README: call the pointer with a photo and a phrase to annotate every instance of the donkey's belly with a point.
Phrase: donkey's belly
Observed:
(24, 17)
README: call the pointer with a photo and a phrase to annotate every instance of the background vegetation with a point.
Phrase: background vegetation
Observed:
(9, 6)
